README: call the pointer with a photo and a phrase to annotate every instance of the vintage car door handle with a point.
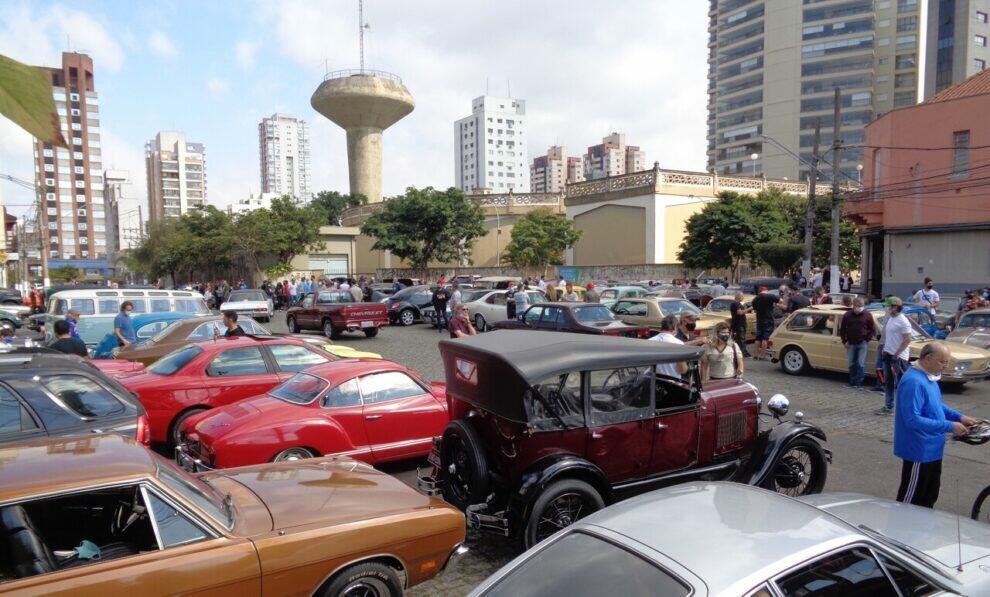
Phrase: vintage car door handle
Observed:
(373, 417)
(661, 426)
(596, 435)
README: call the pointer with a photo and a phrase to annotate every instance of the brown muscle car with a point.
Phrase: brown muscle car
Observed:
(100, 515)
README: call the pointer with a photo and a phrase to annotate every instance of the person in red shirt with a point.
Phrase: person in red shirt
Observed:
(460, 324)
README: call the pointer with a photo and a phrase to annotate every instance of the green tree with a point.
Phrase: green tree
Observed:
(850, 248)
(335, 203)
(539, 239)
(779, 256)
(426, 225)
(64, 273)
(277, 234)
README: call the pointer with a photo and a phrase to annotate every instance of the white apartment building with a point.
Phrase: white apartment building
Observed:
(125, 212)
(283, 144)
(551, 172)
(490, 146)
(613, 157)
(176, 175)
(253, 202)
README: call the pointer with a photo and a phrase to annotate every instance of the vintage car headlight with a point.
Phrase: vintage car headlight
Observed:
(778, 405)
(964, 366)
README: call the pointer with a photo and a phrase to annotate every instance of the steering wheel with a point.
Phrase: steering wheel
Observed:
(623, 374)
(134, 511)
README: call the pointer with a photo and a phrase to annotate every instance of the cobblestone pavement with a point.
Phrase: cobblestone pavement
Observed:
(861, 442)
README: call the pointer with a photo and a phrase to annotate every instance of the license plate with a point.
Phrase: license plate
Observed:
(367, 324)
(434, 458)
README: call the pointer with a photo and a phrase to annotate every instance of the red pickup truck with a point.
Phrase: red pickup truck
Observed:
(334, 312)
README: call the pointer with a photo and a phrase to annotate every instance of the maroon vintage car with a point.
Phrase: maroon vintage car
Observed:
(547, 428)
(334, 312)
(580, 318)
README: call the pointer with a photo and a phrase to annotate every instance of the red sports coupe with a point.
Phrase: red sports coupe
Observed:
(371, 410)
(214, 373)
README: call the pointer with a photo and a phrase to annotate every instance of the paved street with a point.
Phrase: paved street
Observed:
(861, 442)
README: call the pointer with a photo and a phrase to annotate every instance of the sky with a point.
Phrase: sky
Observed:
(214, 69)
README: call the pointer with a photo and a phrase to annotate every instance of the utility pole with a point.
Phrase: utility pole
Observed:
(836, 207)
(809, 216)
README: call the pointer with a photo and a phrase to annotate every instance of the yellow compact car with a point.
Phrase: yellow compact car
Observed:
(809, 339)
(650, 310)
(344, 352)
(719, 307)
(555, 293)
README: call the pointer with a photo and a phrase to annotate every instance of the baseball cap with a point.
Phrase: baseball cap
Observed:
(895, 301)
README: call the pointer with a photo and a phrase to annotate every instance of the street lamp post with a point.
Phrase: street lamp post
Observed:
(754, 157)
(859, 174)
(498, 234)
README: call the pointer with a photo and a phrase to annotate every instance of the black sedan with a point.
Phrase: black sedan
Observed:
(406, 306)
(53, 395)
(581, 318)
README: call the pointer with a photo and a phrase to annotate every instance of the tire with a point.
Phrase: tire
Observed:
(371, 332)
(329, 331)
(793, 361)
(173, 434)
(407, 317)
(463, 465)
(290, 454)
(7, 325)
(559, 506)
(292, 325)
(479, 323)
(371, 579)
(981, 509)
(800, 470)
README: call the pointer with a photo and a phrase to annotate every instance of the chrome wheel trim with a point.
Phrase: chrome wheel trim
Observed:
(293, 454)
(407, 317)
(328, 329)
(479, 322)
(794, 360)
(366, 587)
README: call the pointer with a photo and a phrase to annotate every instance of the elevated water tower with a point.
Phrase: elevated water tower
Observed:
(364, 103)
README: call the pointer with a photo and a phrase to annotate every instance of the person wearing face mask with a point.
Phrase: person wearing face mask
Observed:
(928, 296)
(896, 340)
(920, 425)
(856, 329)
(722, 358)
(686, 325)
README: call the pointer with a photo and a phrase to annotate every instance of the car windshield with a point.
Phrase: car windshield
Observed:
(93, 329)
(301, 388)
(172, 362)
(196, 491)
(246, 295)
(718, 304)
(593, 313)
(677, 307)
(975, 320)
(610, 293)
(916, 332)
(472, 295)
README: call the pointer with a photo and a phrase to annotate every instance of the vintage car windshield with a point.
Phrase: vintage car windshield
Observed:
(172, 362)
(593, 313)
(93, 329)
(246, 295)
(555, 403)
(916, 332)
(975, 320)
(334, 297)
(468, 296)
(301, 388)
(196, 491)
(677, 307)
(164, 332)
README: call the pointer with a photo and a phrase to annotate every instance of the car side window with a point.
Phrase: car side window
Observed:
(619, 395)
(533, 314)
(811, 323)
(910, 584)
(140, 305)
(552, 315)
(290, 357)
(82, 395)
(850, 572)
(14, 418)
(147, 331)
(173, 527)
(204, 331)
(391, 385)
(108, 305)
(555, 403)
(84, 306)
(497, 299)
(160, 305)
(346, 394)
(237, 361)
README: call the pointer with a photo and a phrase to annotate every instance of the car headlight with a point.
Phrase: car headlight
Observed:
(778, 405)
(964, 366)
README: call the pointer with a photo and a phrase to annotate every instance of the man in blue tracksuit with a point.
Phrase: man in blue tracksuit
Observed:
(921, 421)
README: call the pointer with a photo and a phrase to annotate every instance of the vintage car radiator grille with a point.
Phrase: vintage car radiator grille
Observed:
(731, 430)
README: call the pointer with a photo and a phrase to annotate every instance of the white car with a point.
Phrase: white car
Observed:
(486, 308)
(252, 303)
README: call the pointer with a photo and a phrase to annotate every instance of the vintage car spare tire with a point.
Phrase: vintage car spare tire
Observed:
(463, 466)
(560, 505)
(371, 578)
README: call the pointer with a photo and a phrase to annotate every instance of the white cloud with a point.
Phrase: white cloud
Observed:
(217, 86)
(38, 35)
(161, 45)
(245, 52)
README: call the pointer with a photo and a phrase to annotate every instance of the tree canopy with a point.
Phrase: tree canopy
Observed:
(426, 225)
(539, 238)
(335, 203)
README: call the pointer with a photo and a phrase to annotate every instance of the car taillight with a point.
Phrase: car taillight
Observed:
(261, 310)
(643, 334)
(143, 433)
(769, 343)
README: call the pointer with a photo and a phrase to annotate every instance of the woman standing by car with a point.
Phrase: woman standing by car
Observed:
(722, 358)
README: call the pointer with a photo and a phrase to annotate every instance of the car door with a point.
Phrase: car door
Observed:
(306, 315)
(551, 320)
(816, 338)
(291, 358)
(493, 307)
(342, 409)
(675, 425)
(531, 319)
(400, 415)
(237, 373)
(620, 408)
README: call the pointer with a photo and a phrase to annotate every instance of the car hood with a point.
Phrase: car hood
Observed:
(965, 352)
(933, 532)
(218, 422)
(325, 491)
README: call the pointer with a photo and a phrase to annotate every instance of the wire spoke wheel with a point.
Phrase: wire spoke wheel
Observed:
(458, 471)
(562, 512)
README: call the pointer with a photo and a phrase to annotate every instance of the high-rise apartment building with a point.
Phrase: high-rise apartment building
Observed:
(490, 146)
(176, 175)
(549, 173)
(957, 42)
(283, 144)
(70, 181)
(125, 212)
(613, 157)
(773, 67)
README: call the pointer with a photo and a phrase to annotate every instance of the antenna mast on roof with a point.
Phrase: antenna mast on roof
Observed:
(361, 27)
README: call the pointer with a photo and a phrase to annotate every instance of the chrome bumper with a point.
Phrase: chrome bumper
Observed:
(190, 462)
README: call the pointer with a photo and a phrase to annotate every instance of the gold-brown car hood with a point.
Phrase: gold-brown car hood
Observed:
(325, 491)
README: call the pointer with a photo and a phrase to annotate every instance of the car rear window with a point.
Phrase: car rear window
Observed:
(172, 362)
(82, 395)
(593, 313)
(301, 388)
(247, 295)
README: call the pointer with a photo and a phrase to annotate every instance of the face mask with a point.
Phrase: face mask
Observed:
(929, 286)
(690, 325)
(932, 378)
(857, 310)
(723, 337)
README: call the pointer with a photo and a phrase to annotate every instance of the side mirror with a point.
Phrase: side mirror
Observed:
(778, 405)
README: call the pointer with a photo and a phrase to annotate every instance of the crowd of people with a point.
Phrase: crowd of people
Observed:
(288, 291)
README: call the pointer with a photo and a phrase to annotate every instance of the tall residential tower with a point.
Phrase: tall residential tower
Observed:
(283, 143)
(176, 175)
(613, 157)
(490, 146)
(957, 42)
(551, 172)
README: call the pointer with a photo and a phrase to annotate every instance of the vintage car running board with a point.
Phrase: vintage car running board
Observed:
(722, 469)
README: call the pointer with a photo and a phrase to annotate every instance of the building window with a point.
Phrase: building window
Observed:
(905, 61)
(960, 153)
(980, 40)
(981, 16)
(979, 64)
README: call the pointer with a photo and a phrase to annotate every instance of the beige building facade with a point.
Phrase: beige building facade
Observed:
(176, 172)
(551, 172)
(612, 157)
